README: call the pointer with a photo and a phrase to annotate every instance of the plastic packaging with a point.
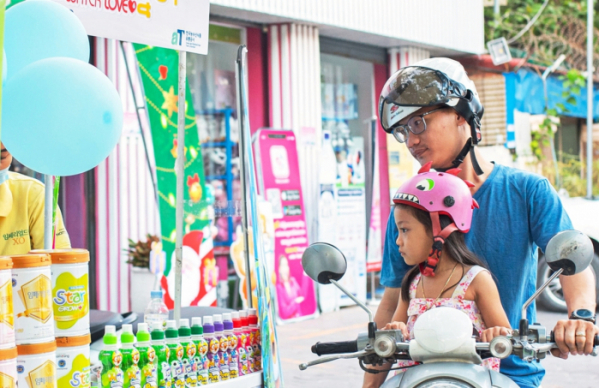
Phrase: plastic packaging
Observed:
(72, 362)
(131, 372)
(189, 354)
(232, 346)
(147, 357)
(213, 348)
(175, 354)
(201, 359)
(156, 313)
(223, 353)
(162, 355)
(36, 365)
(7, 318)
(246, 341)
(8, 367)
(256, 339)
(32, 299)
(111, 358)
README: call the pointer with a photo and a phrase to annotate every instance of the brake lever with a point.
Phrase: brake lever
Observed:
(323, 360)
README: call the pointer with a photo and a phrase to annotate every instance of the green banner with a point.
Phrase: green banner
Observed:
(159, 73)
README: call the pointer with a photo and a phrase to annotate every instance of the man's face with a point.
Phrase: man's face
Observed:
(445, 135)
(6, 158)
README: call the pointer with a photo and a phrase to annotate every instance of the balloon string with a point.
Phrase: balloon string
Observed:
(54, 207)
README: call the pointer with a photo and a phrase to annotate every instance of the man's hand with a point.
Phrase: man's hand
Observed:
(492, 332)
(574, 336)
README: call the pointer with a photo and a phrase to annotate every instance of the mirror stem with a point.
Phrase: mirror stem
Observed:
(538, 292)
(370, 316)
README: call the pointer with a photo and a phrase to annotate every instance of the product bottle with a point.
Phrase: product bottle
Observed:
(238, 333)
(223, 353)
(147, 357)
(256, 339)
(189, 354)
(213, 348)
(156, 313)
(111, 358)
(131, 372)
(232, 348)
(247, 341)
(201, 360)
(162, 356)
(175, 354)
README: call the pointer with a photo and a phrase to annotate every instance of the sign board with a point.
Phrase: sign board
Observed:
(174, 24)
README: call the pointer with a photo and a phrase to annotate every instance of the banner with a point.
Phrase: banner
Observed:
(374, 259)
(277, 168)
(175, 24)
(159, 72)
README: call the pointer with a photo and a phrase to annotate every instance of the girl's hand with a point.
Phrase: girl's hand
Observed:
(493, 332)
(398, 326)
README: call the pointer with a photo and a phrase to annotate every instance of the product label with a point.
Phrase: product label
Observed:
(224, 366)
(36, 297)
(233, 364)
(70, 300)
(202, 366)
(75, 374)
(190, 367)
(250, 356)
(44, 376)
(112, 374)
(176, 355)
(164, 375)
(7, 333)
(131, 371)
(147, 366)
(243, 362)
(7, 381)
(213, 368)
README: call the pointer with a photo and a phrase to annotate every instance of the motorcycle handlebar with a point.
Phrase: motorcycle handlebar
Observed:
(596, 343)
(335, 347)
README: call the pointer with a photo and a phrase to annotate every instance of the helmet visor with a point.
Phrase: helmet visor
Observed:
(412, 88)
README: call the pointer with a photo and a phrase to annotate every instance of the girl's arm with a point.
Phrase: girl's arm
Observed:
(400, 318)
(484, 292)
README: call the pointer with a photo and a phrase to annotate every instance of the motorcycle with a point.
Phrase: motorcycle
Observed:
(444, 347)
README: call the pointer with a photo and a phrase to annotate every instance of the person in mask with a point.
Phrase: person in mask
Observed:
(433, 108)
(22, 212)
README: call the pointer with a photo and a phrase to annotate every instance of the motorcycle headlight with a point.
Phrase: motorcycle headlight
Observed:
(444, 383)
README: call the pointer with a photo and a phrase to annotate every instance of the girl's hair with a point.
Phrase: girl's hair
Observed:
(455, 246)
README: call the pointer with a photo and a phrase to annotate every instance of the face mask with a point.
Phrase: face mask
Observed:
(3, 175)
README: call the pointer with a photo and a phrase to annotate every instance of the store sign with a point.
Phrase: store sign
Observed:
(173, 24)
(277, 168)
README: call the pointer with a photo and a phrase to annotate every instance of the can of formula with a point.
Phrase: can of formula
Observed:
(70, 291)
(36, 365)
(8, 368)
(7, 318)
(72, 362)
(32, 299)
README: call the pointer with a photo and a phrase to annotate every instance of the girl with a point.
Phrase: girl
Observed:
(429, 208)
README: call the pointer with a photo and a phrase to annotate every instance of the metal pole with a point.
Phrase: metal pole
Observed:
(48, 203)
(243, 165)
(180, 169)
(590, 100)
(496, 8)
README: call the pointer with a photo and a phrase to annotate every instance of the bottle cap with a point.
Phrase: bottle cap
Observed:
(237, 323)
(218, 326)
(217, 318)
(171, 329)
(143, 335)
(244, 321)
(243, 314)
(156, 294)
(109, 336)
(235, 315)
(197, 330)
(228, 325)
(208, 326)
(184, 329)
(208, 320)
(251, 312)
(157, 335)
(227, 317)
(253, 320)
(127, 336)
(197, 321)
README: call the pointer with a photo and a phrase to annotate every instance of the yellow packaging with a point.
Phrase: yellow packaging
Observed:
(8, 368)
(72, 362)
(36, 365)
(32, 299)
(7, 318)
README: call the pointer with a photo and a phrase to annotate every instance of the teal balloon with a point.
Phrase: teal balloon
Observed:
(60, 116)
(40, 29)
(4, 66)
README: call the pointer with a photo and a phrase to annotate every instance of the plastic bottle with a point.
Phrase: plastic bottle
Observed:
(147, 357)
(241, 353)
(232, 346)
(189, 354)
(223, 353)
(156, 313)
(246, 342)
(162, 355)
(212, 355)
(175, 354)
(201, 361)
(111, 359)
(256, 339)
(131, 372)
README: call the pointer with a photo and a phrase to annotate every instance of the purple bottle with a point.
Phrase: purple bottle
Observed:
(213, 348)
(223, 353)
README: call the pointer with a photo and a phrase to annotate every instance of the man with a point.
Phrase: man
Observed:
(22, 212)
(433, 107)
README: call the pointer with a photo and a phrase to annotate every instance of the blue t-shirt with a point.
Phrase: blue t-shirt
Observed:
(519, 212)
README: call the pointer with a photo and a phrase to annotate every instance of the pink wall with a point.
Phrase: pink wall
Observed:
(380, 77)
(257, 79)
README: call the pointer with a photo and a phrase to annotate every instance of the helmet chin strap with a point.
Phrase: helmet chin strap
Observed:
(467, 149)
(429, 266)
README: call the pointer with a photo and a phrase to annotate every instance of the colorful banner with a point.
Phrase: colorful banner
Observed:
(159, 73)
(374, 259)
(175, 24)
(277, 169)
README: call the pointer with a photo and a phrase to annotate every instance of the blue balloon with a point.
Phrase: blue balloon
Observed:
(40, 29)
(4, 67)
(60, 116)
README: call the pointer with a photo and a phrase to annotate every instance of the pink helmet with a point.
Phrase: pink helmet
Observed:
(439, 193)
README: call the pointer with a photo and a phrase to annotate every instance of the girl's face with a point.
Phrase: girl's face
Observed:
(413, 239)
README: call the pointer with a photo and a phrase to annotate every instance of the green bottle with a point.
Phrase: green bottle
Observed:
(189, 354)
(201, 360)
(175, 354)
(147, 357)
(162, 355)
(131, 373)
(111, 359)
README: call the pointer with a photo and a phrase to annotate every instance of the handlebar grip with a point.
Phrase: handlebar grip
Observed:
(596, 343)
(335, 347)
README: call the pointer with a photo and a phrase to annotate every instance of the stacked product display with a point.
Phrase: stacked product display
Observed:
(44, 319)
(211, 350)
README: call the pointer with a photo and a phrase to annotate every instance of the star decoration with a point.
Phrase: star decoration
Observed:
(170, 101)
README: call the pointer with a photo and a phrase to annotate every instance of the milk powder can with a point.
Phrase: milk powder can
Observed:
(8, 368)
(36, 365)
(72, 362)
(7, 318)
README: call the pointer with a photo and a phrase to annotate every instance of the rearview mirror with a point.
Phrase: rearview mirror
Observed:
(569, 250)
(323, 262)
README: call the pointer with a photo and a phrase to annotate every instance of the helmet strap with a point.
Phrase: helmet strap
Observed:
(467, 149)
(429, 266)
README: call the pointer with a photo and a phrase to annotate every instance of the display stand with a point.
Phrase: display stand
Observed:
(253, 380)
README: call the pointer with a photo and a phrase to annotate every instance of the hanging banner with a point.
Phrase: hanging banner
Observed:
(175, 24)
(374, 259)
(277, 168)
(159, 72)
(351, 223)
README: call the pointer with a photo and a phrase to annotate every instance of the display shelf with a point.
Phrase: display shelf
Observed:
(253, 380)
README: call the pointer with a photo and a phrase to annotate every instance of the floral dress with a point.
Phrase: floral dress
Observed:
(419, 306)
